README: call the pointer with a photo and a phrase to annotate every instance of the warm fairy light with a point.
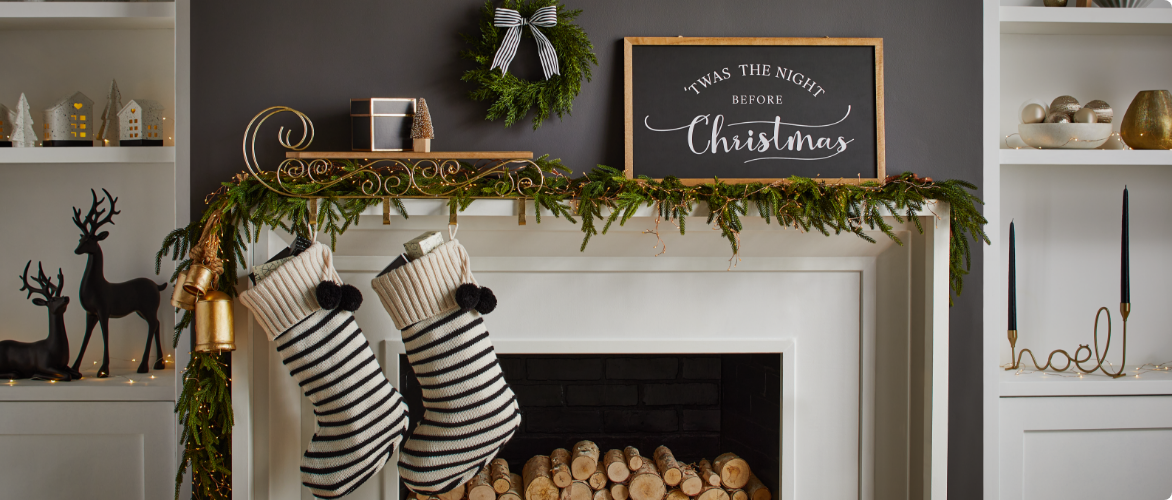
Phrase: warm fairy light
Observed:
(152, 376)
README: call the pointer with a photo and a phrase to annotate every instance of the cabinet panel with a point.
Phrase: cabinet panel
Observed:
(1085, 447)
(115, 450)
(1105, 463)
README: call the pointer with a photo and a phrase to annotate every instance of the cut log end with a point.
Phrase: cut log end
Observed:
(756, 489)
(480, 486)
(618, 491)
(514, 491)
(634, 460)
(560, 460)
(538, 483)
(579, 490)
(646, 484)
(734, 471)
(712, 493)
(498, 471)
(704, 469)
(737, 494)
(616, 466)
(584, 460)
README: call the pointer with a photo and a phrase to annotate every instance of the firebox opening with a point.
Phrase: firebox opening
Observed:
(698, 405)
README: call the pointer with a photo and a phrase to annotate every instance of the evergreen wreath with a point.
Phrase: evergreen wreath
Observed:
(512, 98)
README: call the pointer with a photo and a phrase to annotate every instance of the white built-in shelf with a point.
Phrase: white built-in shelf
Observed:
(86, 15)
(1086, 21)
(1038, 384)
(1085, 156)
(123, 385)
(160, 154)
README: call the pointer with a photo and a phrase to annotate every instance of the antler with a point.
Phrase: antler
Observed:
(47, 289)
(90, 225)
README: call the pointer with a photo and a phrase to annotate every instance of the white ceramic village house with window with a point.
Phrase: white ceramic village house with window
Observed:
(70, 122)
(141, 123)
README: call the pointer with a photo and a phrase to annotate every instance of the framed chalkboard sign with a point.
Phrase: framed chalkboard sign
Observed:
(754, 109)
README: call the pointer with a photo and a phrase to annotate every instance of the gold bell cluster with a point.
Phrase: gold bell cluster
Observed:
(213, 321)
(195, 291)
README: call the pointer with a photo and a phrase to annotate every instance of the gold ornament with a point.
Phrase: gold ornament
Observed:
(1147, 124)
(1084, 115)
(1033, 113)
(1103, 111)
(213, 323)
(1058, 117)
(180, 297)
(1066, 104)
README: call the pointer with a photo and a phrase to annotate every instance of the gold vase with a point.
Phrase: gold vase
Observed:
(1148, 121)
(213, 323)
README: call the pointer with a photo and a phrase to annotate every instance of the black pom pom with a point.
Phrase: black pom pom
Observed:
(487, 301)
(351, 298)
(467, 296)
(329, 294)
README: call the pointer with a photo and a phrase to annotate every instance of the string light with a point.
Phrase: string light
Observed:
(1139, 370)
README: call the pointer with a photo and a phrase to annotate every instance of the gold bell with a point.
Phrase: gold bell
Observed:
(213, 323)
(180, 297)
(199, 280)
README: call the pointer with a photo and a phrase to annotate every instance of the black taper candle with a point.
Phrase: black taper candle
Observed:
(1012, 279)
(1125, 259)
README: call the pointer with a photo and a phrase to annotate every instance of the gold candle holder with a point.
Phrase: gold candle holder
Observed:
(1077, 360)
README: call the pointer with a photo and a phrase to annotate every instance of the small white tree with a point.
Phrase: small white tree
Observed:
(23, 134)
(110, 132)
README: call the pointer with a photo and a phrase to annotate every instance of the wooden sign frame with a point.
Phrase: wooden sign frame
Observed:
(628, 99)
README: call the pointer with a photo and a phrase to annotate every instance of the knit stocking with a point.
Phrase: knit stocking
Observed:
(360, 416)
(470, 410)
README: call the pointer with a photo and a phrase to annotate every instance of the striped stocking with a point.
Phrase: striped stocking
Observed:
(360, 417)
(471, 412)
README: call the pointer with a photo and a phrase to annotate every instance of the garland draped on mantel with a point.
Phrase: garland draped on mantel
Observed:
(247, 204)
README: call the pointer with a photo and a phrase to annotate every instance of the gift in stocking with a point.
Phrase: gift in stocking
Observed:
(470, 411)
(361, 418)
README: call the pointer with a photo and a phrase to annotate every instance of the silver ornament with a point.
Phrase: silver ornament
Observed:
(1058, 117)
(1033, 113)
(1103, 111)
(1084, 115)
(1065, 104)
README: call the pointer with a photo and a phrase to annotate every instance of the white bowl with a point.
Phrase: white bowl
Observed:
(1064, 135)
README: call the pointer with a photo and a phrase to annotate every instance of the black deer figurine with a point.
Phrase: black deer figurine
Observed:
(45, 359)
(103, 300)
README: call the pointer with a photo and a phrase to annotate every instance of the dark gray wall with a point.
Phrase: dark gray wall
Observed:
(315, 55)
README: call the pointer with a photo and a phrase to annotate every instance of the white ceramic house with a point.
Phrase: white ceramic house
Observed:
(141, 123)
(7, 117)
(70, 122)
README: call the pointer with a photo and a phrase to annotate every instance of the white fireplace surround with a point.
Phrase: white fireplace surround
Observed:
(862, 330)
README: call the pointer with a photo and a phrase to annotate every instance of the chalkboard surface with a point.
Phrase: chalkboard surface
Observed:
(749, 109)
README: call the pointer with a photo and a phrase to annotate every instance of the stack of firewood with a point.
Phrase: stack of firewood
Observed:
(587, 474)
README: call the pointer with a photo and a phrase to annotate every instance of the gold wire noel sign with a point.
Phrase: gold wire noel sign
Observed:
(1076, 360)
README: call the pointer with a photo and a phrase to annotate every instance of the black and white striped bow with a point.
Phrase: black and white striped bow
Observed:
(545, 17)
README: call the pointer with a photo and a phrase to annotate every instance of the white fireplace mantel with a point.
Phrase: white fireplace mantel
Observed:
(862, 328)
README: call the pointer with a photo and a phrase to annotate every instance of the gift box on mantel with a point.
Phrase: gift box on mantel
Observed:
(381, 123)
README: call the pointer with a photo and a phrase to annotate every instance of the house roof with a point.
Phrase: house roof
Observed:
(143, 104)
(76, 96)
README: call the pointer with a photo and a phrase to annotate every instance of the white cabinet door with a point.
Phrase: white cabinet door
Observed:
(1086, 447)
(93, 450)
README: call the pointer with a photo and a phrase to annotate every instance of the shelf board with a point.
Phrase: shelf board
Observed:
(410, 155)
(162, 154)
(117, 387)
(1086, 21)
(1085, 157)
(1039, 384)
(86, 15)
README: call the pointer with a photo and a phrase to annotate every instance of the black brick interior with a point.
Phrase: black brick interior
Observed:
(698, 405)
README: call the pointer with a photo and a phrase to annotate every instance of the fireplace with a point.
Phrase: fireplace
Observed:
(855, 332)
(698, 405)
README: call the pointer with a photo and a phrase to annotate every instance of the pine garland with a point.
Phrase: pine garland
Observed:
(603, 196)
(512, 98)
